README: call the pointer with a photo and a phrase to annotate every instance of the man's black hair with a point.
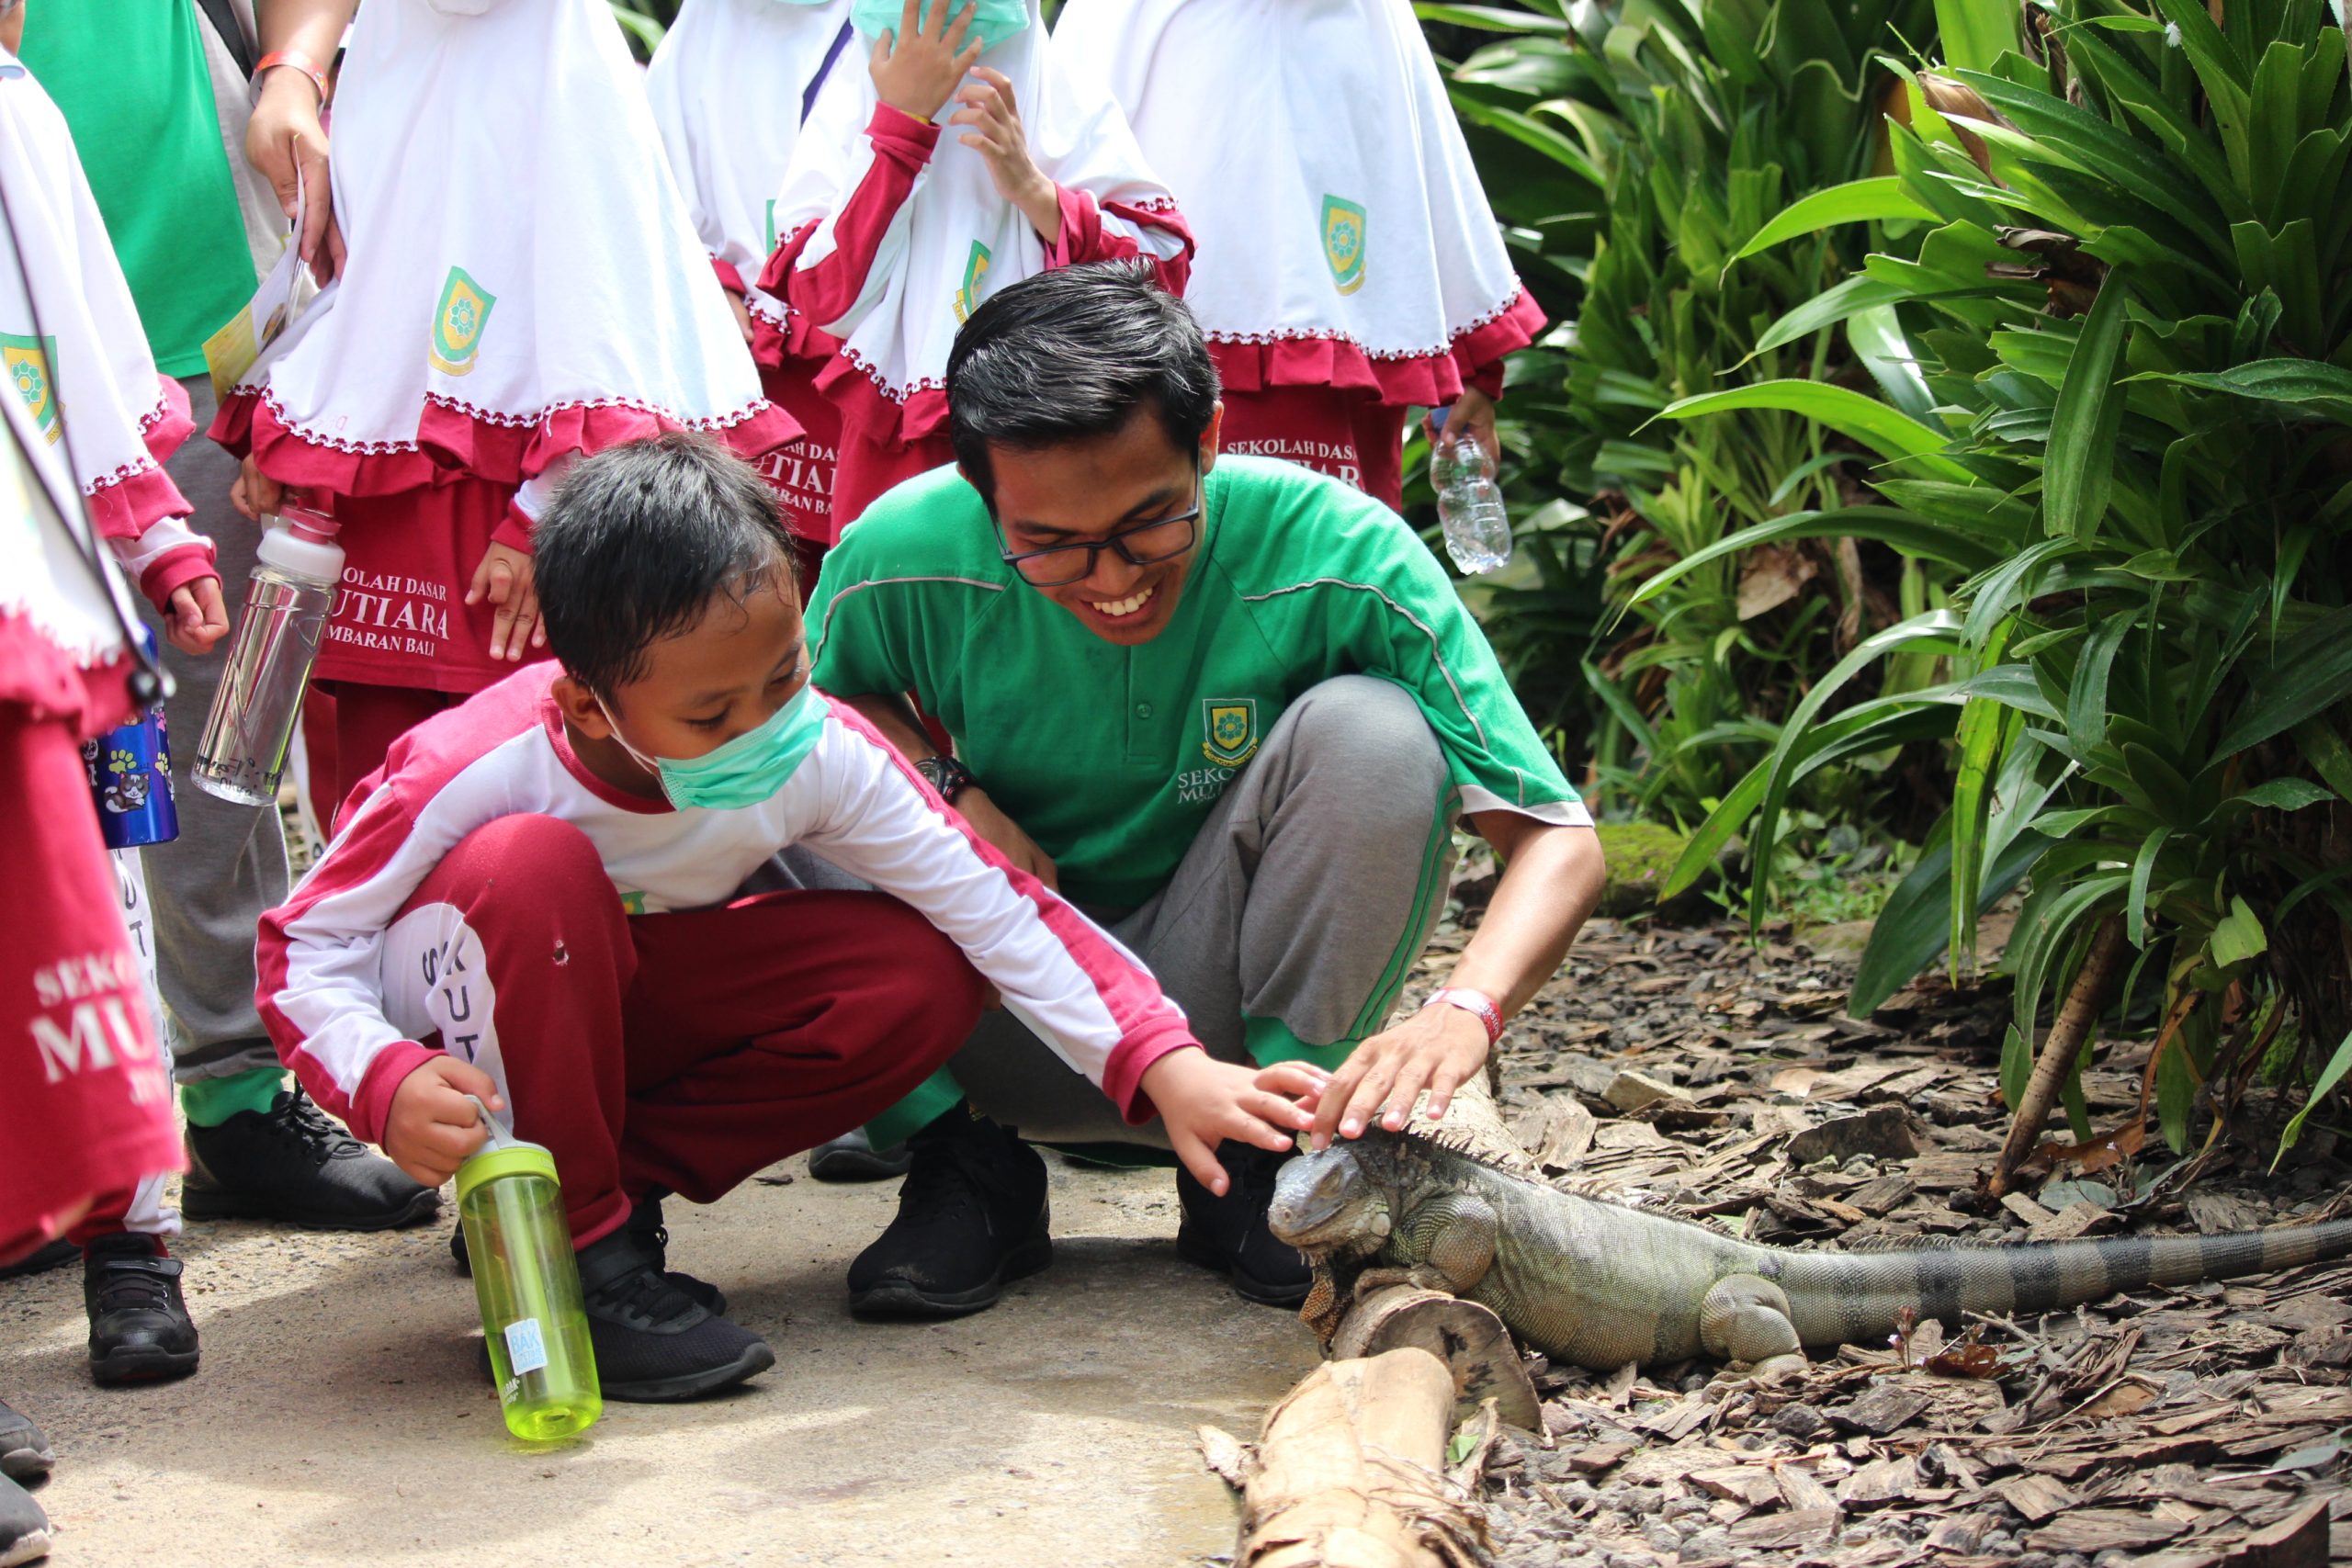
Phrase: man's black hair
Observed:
(1071, 354)
(638, 541)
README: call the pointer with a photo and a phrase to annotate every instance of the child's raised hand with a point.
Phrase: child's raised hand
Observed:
(505, 579)
(432, 1127)
(1203, 1102)
(198, 618)
(998, 136)
(915, 67)
(254, 492)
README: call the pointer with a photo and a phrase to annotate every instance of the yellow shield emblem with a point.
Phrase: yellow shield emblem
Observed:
(976, 272)
(458, 321)
(28, 362)
(1343, 232)
(1230, 730)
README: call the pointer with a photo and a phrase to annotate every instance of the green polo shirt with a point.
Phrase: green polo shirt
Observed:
(1110, 758)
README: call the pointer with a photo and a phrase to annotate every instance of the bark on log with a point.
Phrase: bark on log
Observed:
(1469, 1338)
(1351, 1473)
(2085, 999)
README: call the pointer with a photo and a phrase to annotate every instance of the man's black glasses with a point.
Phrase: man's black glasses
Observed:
(1145, 544)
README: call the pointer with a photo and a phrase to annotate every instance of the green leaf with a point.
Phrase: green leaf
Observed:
(2081, 461)
(1489, 19)
(2287, 795)
(2330, 1076)
(1864, 419)
(2322, 747)
(2238, 935)
(1857, 201)
(1915, 928)
(1975, 32)
(2086, 699)
(2310, 673)
(1859, 292)
(2294, 383)
(2143, 870)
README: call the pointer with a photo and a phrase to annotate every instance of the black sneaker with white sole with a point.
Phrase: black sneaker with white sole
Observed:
(655, 1344)
(140, 1330)
(24, 1528)
(24, 1454)
(972, 1218)
(653, 1238)
(292, 1164)
(1230, 1234)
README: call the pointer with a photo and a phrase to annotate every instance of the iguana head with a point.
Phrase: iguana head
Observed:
(1329, 1202)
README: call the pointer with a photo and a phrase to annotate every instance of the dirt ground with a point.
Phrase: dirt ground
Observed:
(340, 1416)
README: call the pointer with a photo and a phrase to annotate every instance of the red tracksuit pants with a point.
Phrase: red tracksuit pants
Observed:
(682, 1051)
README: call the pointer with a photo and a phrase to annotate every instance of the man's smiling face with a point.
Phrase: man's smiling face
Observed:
(1084, 492)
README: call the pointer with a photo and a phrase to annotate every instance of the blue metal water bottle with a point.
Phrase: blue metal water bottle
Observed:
(130, 777)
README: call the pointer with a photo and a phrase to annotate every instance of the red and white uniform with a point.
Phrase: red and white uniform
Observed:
(891, 232)
(730, 86)
(523, 285)
(576, 943)
(1356, 275)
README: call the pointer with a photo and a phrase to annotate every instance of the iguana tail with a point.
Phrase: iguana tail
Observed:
(1854, 1298)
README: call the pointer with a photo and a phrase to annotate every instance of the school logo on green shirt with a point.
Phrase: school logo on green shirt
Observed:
(976, 271)
(28, 361)
(457, 323)
(1343, 226)
(1230, 726)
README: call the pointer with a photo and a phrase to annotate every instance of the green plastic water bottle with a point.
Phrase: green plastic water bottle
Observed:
(528, 1283)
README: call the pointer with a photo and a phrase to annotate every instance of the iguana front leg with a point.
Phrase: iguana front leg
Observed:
(1446, 1243)
(1744, 1319)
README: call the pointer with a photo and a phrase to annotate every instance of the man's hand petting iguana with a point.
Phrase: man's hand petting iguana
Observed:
(1202, 1102)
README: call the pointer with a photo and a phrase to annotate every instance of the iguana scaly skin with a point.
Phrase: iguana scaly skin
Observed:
(1600, 1284)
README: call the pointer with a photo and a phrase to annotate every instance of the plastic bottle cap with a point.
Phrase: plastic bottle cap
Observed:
(509, 1159)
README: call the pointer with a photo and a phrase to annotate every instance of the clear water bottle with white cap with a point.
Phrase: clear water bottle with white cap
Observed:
(1469, 502)
(287, 606)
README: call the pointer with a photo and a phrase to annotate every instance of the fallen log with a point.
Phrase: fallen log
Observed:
(1469, 1338)
(1350, 1472)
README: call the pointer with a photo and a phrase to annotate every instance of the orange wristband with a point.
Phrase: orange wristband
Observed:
(292, 59)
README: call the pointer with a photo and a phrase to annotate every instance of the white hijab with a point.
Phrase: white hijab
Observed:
(727, 85)
(1346, 91)
(519, 253)
(959, 229)
(88, 361)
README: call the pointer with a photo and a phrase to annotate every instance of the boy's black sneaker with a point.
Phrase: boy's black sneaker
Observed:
(654, 1343)
(653, 1238)
(972, 1218)
(41, 1260)
(292, 1164)
(853, 1157)
(140, 1330)
(24, 1452)
(24, 1528)
(1230, 1234)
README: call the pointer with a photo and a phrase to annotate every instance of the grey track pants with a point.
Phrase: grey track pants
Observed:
(1292, 920)
(210, 884)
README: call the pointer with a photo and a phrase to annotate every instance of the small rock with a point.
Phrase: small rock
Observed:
(1884, 1132)
(1799, 1421)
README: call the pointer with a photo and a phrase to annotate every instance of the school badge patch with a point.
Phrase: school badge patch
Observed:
(458, 322)
(1343, 226)
(1229, 728)
(28, 362)
(976, 271)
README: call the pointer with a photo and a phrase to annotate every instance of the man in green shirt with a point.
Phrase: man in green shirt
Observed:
(1230, 707)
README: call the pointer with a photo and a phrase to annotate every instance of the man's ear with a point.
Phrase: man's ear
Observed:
(1212, 436)
(580, 708)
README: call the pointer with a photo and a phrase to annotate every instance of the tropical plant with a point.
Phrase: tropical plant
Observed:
(2131, 318)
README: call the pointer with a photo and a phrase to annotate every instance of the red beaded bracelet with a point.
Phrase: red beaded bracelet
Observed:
(1477, 1003)
(293, 60)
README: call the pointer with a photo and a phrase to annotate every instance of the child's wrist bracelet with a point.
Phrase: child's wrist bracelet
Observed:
(293, 60)
(1476, 1003)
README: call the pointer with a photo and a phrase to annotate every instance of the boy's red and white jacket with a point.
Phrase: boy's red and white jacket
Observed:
(852, 799)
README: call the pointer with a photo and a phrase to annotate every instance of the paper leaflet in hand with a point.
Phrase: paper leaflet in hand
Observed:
(232, 353)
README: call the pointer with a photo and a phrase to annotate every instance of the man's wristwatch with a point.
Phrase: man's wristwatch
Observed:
(946, 776)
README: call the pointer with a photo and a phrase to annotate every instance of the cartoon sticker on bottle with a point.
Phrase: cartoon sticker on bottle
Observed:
(458, 321)
(976, 272)
(1343, 243)
(29, 361)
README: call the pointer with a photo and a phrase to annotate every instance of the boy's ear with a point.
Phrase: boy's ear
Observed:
(580, 708)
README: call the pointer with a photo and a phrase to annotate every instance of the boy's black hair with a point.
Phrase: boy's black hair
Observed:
(638, 541)
(1071, 354)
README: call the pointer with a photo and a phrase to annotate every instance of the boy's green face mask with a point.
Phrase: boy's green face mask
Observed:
(741, 771)
(993, 21)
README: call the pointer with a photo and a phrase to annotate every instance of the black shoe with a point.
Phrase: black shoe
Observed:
(290, 1164)
(972, 1218)
(1230, 1234)
(24, 1452)
(56, 1254)
(140, 1330)
(653, 1238)
(853, 1157)
(654, 1343)
(24, 1528)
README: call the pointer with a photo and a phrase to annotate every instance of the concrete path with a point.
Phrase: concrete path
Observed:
(340, 1417)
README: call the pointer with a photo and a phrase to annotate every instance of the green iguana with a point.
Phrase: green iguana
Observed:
(1600, 1284)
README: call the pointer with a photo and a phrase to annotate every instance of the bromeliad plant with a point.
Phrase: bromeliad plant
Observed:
(2131, 321)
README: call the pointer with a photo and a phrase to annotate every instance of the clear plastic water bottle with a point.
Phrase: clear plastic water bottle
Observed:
(292, 593)
(526, 1281)
(1469, 503)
